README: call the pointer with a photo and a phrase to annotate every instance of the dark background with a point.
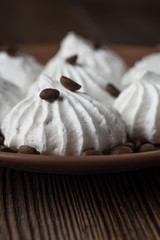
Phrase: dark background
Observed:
(44, 21)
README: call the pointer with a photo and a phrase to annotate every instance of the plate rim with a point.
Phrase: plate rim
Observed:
(79, 164)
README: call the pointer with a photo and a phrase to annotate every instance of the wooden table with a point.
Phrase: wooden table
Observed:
(107, 206)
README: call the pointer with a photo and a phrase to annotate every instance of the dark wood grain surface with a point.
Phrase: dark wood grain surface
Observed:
(113, 206)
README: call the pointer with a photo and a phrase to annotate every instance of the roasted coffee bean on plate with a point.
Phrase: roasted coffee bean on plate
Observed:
(27, 150)
(122, 149)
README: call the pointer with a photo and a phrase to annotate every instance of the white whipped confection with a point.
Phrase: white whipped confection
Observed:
(139, 105)
(109, 62)
(67, 126)
(21, 69)
(147, 63)
(10, 94)
(93, 82)
(73, 44)
(102, 59)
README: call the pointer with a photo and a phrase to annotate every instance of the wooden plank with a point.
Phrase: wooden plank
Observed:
(113, 206)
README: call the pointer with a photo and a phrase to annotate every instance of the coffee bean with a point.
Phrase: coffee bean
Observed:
(12, 50)
(7, 149)
(27, 150)
(147, 147)
(121, 150)
(69, 84)
(112, 90)
(49, 94)
(91, 152)
(72, 60)
(1, 140)
(130, 144)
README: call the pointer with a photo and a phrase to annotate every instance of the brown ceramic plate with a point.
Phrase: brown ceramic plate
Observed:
(82, 164)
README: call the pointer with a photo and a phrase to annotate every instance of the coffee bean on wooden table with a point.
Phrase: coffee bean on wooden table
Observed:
(69, 84)
(27, 150)
(122, 149)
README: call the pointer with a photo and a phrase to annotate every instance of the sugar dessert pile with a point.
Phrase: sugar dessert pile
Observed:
(84, 101)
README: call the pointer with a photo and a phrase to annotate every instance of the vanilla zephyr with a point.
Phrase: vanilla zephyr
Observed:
(97, 71)
(139, 105)
(59, 121)
(147, 63)
(10, 94)
(20, 69)
(100, 58)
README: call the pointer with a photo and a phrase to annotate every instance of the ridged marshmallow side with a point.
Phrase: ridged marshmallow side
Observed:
(139, 105)
(10, 94)
(21, 69)
(68, 126)
(148, 63)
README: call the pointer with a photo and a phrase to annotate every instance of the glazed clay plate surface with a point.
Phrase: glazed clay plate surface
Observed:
(82, 164)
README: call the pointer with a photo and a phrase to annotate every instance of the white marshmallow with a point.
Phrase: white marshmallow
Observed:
(73, 123)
